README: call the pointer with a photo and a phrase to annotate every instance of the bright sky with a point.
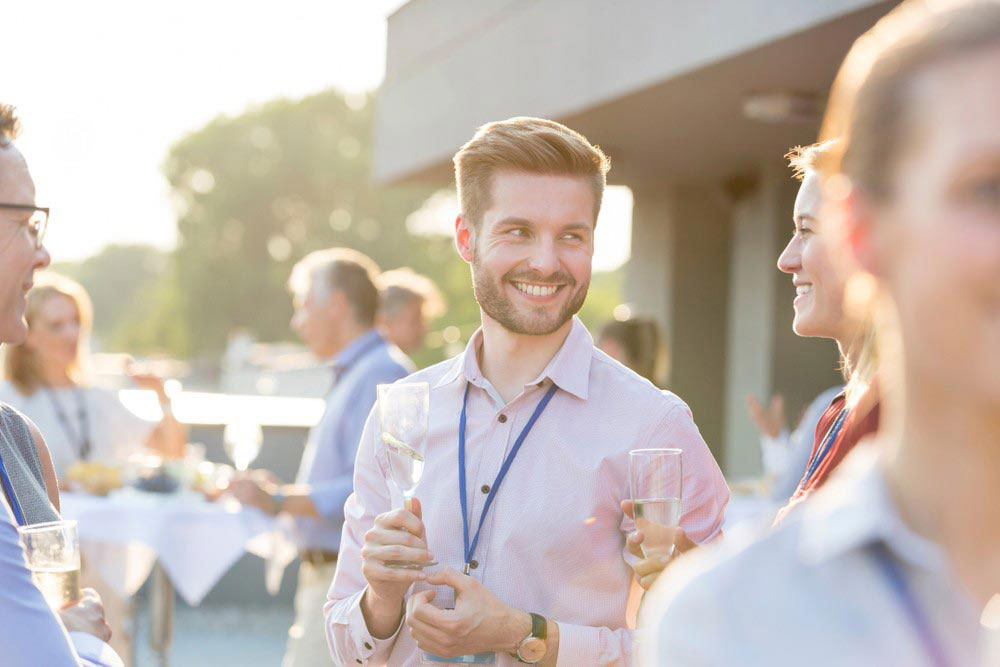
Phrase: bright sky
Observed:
(104, 88)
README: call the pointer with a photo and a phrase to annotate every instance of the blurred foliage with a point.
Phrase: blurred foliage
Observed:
(255, 193)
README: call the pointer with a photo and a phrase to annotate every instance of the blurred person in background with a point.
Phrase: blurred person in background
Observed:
(336, 301)
(408, 301)
(636, 343)
(45, 378)
(897, 560)
(30, 633)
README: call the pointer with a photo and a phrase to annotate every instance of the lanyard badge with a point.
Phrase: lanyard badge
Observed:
(470, 548)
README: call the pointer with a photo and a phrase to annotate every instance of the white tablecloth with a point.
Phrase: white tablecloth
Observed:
(122, 536)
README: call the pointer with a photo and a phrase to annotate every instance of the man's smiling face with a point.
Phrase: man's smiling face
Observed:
(532, 251)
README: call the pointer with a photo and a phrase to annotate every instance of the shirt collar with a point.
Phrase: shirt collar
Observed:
(855, 510)
(569, 369)
(356, 349)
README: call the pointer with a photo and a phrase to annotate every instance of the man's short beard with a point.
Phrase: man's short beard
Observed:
(489, 294)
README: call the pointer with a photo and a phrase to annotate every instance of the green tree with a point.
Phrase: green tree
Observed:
(259, 191)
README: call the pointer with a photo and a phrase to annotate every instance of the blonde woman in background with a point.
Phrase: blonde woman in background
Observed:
(820, 283)
(44, 378)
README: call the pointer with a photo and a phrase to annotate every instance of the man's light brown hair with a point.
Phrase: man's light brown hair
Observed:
(534, 145)
(10, 126)
(803, 159)
(871, 105)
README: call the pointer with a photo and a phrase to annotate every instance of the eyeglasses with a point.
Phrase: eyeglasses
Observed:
(37, 220)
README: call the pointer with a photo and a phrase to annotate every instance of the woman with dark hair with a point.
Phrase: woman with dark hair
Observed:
(634, 342)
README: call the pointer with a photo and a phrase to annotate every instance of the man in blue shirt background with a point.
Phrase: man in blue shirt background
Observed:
(336, 300)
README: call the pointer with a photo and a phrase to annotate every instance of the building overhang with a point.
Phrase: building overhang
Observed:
(660, 86)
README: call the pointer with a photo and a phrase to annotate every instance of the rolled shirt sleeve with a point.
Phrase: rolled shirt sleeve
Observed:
(347, 633)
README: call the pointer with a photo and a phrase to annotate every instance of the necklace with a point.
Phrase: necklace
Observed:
(81, 440)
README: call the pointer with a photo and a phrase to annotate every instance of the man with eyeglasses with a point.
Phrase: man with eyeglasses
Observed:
(30, 632)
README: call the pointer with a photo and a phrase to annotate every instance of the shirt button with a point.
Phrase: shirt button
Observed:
(357, 661)
(502, 419)
(541, 384)
(485, 488)
(473, 564)
(368, 646)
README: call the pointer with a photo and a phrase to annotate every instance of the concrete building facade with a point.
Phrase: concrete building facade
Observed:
(695, 102)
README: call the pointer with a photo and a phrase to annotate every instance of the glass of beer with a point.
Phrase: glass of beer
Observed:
(53, 552)
(402, 413)
(656, 479)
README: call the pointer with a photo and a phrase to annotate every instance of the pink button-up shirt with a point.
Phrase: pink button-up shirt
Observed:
(553, 542)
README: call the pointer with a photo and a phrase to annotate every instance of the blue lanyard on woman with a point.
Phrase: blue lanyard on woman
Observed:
(8, 490)
(470, 549)
(894, 576)
(827, 444)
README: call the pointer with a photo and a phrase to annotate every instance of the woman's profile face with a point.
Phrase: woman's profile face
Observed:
(818, 278)
(937, 234)
(54, 332)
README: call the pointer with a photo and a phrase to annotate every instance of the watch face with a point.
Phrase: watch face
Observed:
(531, 650)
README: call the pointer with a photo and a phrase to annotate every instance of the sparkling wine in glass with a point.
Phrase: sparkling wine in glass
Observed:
(242, 440)
(402, 412)
(53, 553)
(655, 478)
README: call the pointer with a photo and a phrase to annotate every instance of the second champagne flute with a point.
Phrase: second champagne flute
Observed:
(402, 412)
(656, 479)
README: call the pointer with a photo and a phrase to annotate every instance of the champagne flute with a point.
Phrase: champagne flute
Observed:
(241, 440)
(53, 553)
(656, 478)
(402, 412)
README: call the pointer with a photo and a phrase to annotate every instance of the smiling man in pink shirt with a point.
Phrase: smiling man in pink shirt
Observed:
(543, 575)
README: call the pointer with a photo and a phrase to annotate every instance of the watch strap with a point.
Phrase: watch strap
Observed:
(539, 626)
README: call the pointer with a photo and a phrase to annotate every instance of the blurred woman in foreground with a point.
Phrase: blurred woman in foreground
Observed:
(897, 560)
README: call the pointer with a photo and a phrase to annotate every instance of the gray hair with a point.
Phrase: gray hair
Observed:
(343, 269)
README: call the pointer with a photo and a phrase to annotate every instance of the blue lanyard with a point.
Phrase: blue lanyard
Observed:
(824, 449)
(8, 489)
(893, 574)
(470, 549)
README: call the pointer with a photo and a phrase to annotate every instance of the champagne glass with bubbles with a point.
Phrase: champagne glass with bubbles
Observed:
(402, 413)
(53, 553)
(656, 477)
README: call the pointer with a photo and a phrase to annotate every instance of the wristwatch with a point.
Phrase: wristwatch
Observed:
(532, 648)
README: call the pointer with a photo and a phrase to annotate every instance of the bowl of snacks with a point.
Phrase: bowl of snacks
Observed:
(97, 479)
